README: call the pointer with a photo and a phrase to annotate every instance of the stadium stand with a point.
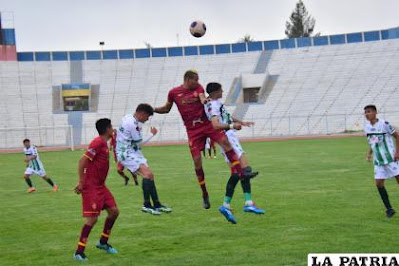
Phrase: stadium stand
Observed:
(306, 86)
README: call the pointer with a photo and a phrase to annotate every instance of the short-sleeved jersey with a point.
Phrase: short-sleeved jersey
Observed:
(379, 137)
(129, 134)
(189, 104)
(217, 108)
(98, 166)
(35, 164)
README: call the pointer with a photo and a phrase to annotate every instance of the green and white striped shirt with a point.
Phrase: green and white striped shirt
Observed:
(217, 108)
(379, 137)
(35, 164)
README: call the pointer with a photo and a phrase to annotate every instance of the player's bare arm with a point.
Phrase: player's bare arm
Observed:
(203, 98)
(369, 155)
(82, 165)
(163, 109)
(153, 131)
(30, 157)
(396, 136)
(219, 126)
(243, 123)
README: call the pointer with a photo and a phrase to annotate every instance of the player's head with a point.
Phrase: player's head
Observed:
(143, 112)
(214, 90)
(104, 127)
(370, 112)
(26, 143)
(191, 79)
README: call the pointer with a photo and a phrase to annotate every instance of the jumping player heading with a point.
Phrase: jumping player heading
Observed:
(190, 99)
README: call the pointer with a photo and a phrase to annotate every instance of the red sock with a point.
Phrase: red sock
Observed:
(83, 238)
(201, 181)
(234, 161)
(107, 230)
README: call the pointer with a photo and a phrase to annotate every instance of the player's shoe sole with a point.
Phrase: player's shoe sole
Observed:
(205, 202)
(253, 209)
(227, 214)
(80, 257)
(55, 188)
(31, 189)
(390, 213)
(164, 209)
(150, 211)
(250, 175)
(108, 248)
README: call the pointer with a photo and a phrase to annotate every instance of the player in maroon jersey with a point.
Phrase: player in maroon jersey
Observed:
(190, 99)
(93, 169)
(119, 167)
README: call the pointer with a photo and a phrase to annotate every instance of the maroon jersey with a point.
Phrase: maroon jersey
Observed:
(97, 168)
(190, 107)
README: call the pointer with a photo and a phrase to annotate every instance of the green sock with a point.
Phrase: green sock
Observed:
(227, 199)
(247, 196)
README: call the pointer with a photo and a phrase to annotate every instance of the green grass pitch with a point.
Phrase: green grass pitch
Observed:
(319, 196)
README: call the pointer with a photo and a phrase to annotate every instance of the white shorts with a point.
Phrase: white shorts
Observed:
(208, 144)
(386, 171)
(132, 160)
(30, 171)
(235, 143)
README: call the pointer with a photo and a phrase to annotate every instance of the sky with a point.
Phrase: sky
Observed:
(65, 25)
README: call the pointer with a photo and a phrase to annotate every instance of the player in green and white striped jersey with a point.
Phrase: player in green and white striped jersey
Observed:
(384, 151)
(222, 120)
(34, 166)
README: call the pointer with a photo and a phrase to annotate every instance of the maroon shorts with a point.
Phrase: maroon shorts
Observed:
(120, 167)
(96, 200)
(197, 138)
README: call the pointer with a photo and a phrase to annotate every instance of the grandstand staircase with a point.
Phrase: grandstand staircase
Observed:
(263, 62)
(234, 92)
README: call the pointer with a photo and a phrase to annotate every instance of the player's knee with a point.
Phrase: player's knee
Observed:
(114, 213)
(91, 221)
(148, 175)
(26, 176)
(226, 144)
(379, 184)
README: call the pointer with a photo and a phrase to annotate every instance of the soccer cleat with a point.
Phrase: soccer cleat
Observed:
(227, 214)
(80, 257)
(31, 189)
(390, 212)
(126, 180)
(205, 202)
(250, 175)
(107, 247)
(150, 210)
(55, 188)
(162, 208)
(253, 208)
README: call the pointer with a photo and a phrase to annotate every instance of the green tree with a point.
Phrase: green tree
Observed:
(300, 24)
(246, 38)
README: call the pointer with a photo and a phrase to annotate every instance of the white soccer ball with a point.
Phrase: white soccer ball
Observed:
(197, 28)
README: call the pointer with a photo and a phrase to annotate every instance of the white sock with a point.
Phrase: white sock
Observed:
(249, 203)
(227, 205)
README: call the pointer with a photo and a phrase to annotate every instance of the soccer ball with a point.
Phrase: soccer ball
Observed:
(197, 28)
